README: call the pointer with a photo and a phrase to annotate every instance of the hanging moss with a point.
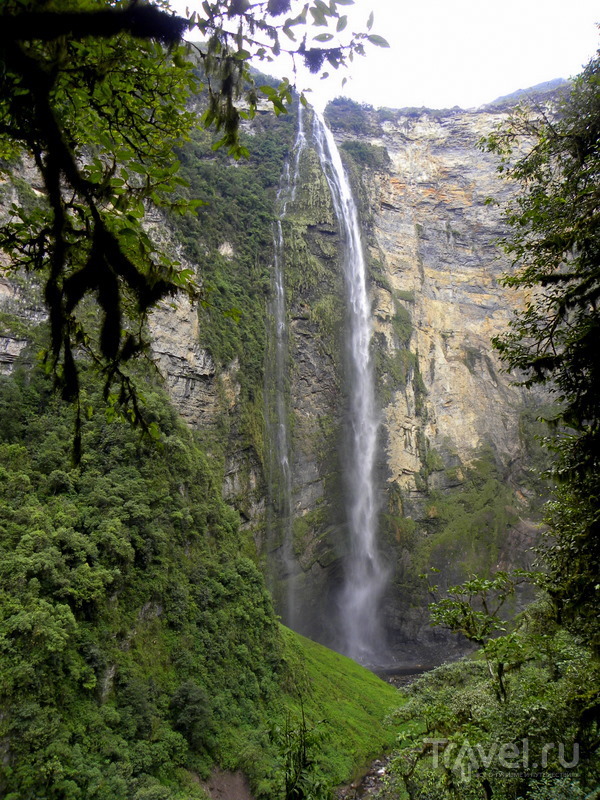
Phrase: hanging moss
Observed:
(367, 155)
(464, 529)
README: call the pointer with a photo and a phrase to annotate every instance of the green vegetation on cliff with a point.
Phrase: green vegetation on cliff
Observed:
(230, 240)
(138, 646)
(366, 154)
(465, 527)
(344, 114)
(126, 610)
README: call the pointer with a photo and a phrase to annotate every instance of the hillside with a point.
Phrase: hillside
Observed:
(139, 643)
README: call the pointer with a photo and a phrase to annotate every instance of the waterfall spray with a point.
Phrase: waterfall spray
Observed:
(365, 577)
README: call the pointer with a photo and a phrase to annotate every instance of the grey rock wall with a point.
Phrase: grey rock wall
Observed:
(435, 268)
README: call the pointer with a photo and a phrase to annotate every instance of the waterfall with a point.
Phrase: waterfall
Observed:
(280, 435)
(365, 577)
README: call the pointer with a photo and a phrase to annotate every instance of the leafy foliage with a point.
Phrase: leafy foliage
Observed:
(302, 781)
(463, 738)
(126, 606)
(555, 241)
(473, 610)
(93, 97)
(236, 32)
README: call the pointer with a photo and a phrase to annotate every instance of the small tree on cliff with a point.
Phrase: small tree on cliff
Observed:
(555, 243)
(95, 93)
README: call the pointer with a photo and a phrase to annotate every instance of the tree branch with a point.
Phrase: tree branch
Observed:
(142, 22)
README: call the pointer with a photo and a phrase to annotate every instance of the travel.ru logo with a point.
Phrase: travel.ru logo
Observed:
(466, 758)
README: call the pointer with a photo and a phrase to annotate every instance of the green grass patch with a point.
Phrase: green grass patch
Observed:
(348, 702)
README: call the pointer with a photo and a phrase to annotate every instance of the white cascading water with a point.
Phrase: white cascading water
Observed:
(365, 577)
(285, 195)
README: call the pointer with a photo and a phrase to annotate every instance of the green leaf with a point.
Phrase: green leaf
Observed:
(318, 17)
(323, 7)
(233, 313)
(154, 431)
(377, 40)
(131, 233)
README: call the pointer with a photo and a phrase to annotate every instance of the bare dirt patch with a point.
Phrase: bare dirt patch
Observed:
(224, 785)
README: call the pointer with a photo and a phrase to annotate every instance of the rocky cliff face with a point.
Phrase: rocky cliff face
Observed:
(21, 303)
(435, 235)
(453, 483)
(437, 241)
(452, 422)
(314, 400)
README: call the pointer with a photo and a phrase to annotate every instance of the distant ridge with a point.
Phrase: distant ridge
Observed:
(540, 90)
(532, 91)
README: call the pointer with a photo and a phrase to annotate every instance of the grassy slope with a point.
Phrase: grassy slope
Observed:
(351, 701)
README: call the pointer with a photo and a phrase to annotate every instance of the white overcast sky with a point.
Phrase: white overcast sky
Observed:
(467, 52)
(461, 52)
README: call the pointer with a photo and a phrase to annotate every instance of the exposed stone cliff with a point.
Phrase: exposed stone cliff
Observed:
(437, 240)
(453, 482)
(452, 421)
(435, 235)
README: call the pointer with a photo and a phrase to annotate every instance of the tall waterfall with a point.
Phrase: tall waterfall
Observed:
(283, 480)
(365, 577)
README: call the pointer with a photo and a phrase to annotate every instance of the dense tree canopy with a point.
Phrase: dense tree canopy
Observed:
(554, 154)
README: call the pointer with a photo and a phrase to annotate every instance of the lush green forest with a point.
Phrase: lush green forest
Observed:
(139, 644)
